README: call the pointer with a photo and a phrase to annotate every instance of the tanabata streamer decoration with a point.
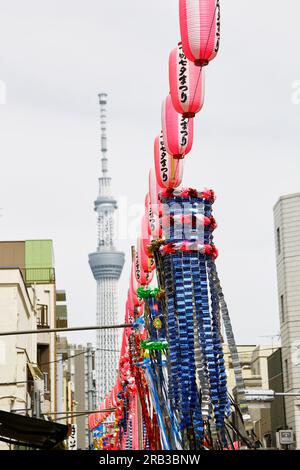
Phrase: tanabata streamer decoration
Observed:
(195, 350)
(171, 390)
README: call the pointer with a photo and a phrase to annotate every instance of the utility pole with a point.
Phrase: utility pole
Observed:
(59, 382)
(90, 390)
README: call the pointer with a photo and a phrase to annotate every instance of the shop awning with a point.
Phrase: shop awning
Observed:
(32, 432)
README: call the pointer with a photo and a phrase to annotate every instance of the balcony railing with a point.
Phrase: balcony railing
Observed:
(32, 275)
(41, 275)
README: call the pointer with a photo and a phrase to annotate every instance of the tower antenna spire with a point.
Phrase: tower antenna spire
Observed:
(106, 264)
(103, 102)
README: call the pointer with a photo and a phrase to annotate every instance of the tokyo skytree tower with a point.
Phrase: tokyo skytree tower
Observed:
(106, 264)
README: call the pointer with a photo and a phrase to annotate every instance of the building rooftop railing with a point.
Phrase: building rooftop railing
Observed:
(32, 275)
(40, 275)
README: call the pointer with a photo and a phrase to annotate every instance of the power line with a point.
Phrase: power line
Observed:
(265, 349)
(80, 413)
(16, 383)
(110, 350)
(61, 360)
(56, 413)
(118, 351)
(75, 355)
(275, 376)
(57, 330)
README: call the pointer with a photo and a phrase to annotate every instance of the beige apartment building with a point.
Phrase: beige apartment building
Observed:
(32, 264)
(16, 352)
(21, 380)
(254, 364)
(287, 241)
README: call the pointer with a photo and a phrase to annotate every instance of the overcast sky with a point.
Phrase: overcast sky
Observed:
(55, 56)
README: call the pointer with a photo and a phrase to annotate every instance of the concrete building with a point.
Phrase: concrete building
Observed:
(16, 313)
(82, 366)
(261, 412)
(287, 241)
(66, 406)
(259, 363)
(35, 261)
(77, 365)
(277, 411)
(254, 364)
(106, 265)
(76, 387)
(245, 352)
(20, 378)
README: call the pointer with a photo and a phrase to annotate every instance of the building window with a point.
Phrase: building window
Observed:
(282, 308)
(278, 241)
(286, 365)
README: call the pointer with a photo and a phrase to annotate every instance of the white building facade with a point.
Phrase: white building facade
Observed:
(44, 295)
(16, 352)
(287, 238)
(33, 261)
